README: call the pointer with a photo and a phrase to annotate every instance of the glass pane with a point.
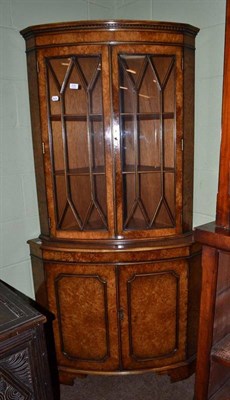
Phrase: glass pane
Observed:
(100, 186)
(149, 92)
(74, 92)
(54, 94)
(57, 141)
(126, 95)
(136, 221)
(89, 67)
(149, 138)
(98, 157)
(169, 93)
(61, 195)
(94, 221)
(77, 145)
(142, 213)
(147, 121)
(80, 194)
(162, 66)
(56, 72)
(96, 98)
(127, 143)
(132, 67)
(130, 70)
(150, 193)
(77, 132)
(170, 193)
(169, 143)
(59, 68)
(163, 219)
(129, 195)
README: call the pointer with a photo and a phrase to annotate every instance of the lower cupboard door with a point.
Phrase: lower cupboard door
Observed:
(83, 299)
(153, 310)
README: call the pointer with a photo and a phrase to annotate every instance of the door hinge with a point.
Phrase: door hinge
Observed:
(182, 144)
(43, 148)
(38, 70)
(182, 64)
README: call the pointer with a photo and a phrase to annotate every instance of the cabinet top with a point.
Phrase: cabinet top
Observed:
(17, 312)
(111, 25)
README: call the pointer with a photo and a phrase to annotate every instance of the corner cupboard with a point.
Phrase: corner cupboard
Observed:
(112, 109)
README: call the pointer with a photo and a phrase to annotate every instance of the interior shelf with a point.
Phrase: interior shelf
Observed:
(141, 169)
(148, 115)
(221, 351)
(72, 117)
(81, 171)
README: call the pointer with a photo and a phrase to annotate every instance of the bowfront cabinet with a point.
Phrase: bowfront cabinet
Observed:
(131, 309)
(112, 110)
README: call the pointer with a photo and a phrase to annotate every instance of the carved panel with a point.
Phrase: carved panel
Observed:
(11, 389)
(24, 372)
(18, 366)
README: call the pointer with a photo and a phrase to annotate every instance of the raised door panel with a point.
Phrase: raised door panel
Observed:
(153, 300)
(148, 129)
(83, 299)
(75, 109)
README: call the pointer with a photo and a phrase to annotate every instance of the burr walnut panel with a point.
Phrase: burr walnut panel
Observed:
(84, 299)
(121, 316)
(76, 305)
(154, 297)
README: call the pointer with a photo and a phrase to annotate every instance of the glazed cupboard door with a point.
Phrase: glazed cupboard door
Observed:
(153, 305)
(83, 300)
(148, 130)
(75, 108)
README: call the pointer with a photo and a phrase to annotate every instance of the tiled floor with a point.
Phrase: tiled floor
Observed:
(131, 387)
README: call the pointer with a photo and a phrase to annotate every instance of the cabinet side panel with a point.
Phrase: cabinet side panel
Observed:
(37, 145)
(188, 135)
(219, 374)
(222, 321)
(194, 289)
(39, 279)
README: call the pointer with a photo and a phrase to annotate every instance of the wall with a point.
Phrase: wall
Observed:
(18, 204)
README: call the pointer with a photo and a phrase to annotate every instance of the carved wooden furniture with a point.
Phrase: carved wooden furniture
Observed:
(112, 107)
(24, 372)
(213, 359)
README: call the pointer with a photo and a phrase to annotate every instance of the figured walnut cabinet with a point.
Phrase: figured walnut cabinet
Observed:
(112, 109)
